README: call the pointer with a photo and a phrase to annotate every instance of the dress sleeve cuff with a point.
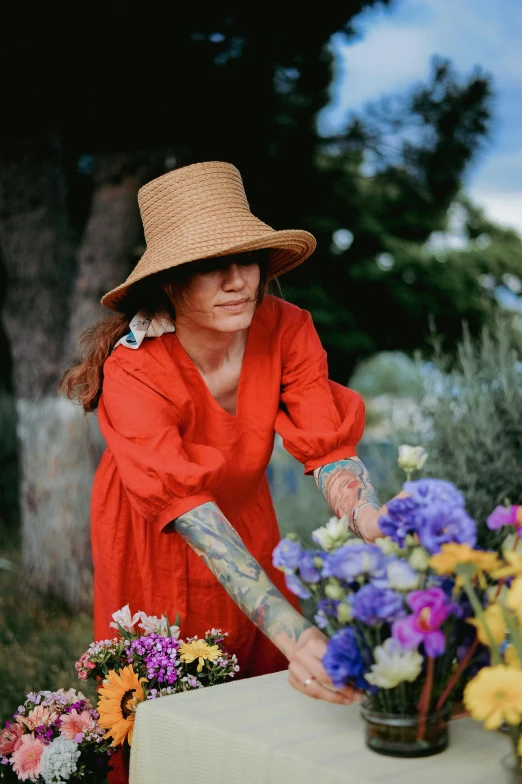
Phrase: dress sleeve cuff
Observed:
(181, 506)
(339, 453)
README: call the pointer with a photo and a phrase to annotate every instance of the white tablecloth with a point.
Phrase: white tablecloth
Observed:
(261, 731)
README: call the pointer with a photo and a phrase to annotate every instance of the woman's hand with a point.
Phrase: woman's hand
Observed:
(307, 674)
(368, 520)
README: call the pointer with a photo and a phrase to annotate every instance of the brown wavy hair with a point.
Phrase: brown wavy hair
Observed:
(83, 382)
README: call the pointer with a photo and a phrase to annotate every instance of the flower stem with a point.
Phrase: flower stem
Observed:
(479, 612)
(456, 675)
(425, 698)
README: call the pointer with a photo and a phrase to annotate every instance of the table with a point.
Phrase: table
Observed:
(261, 731)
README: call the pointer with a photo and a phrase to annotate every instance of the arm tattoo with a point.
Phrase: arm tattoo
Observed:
(207, 531)
(346, 485)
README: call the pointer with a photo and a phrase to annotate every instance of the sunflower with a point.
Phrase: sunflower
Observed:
(119, 696)
(201, 650)
(495, 695)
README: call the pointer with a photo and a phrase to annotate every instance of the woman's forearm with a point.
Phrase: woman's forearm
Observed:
(208, 532)
(346, 487)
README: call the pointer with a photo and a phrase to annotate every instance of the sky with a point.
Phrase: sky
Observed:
(393, 52)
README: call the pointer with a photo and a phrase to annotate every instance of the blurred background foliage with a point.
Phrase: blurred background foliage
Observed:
(405, 286)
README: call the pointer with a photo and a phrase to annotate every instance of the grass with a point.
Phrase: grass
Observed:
(40, 638)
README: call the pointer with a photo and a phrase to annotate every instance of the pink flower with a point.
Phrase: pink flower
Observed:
(38, 717)
(74, 724)
(26, 758)
(9, 738)
(505, 515)
(83, 665)
(430, 608)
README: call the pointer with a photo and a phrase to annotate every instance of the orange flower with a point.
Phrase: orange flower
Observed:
(119, 696)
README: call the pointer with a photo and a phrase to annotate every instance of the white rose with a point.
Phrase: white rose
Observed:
(332, 535)
(393, 665)
(412, 458)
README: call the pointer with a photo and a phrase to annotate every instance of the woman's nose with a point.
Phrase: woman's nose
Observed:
(233, 277)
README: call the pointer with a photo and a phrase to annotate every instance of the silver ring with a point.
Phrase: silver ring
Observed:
(307, 682)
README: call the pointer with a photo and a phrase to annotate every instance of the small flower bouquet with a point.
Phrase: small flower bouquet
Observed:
(399, 629)
(147, 660)
(54, 737)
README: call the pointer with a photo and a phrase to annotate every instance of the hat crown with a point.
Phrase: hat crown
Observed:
(211, 193)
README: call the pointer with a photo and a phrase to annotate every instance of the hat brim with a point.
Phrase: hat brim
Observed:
(290, 247)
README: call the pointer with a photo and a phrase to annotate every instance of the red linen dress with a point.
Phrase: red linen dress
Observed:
(171, 447)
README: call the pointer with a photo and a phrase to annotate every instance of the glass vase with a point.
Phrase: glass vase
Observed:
(512, 769)
(403, 735)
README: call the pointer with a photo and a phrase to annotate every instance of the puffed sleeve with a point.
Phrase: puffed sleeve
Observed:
(164, 476)
(319, 420)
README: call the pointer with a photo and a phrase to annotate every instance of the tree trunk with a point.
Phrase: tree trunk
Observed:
(59, 447)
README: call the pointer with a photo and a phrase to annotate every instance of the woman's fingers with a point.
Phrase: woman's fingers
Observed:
(302, 680)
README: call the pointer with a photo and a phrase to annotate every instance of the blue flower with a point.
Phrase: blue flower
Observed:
(294, 584)
(328, 606)
(443, 524)
(343, 660)
(287, 554)
(372, 605)
(428, 491)
(434, 510)
(307, 569)
(400, 520)
(353, 560)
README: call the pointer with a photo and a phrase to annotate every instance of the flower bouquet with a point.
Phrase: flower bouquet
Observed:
(494, 694)
(147, 660)
(399, 630)
(54, 737)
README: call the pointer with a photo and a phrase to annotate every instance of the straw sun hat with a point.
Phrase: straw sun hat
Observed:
(201, 211)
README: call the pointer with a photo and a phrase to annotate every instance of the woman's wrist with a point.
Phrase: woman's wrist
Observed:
(365, 518)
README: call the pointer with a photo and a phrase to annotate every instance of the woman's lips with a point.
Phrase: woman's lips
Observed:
(234, 306)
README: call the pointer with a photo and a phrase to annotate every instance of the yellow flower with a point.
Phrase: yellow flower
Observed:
(453, 554)
(514, 598)
(494, 621)
(495, 695)
(119, 696)
(511, 657)
(513, 567)
(201, 650)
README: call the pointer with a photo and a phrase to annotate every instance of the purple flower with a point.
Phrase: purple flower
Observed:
(307, 569)
(427, 491)
(351, 561)
(294, 584)
(443, 524)
(400, 520)
(434, 510)
(343, 660)
(160, 656)
(430, 610)
(287, 554)
(504, 515)
(329, 606)
(372, 605)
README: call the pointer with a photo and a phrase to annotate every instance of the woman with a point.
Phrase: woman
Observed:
(189, 394)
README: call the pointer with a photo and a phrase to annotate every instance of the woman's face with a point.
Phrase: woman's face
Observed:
(218, 294)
